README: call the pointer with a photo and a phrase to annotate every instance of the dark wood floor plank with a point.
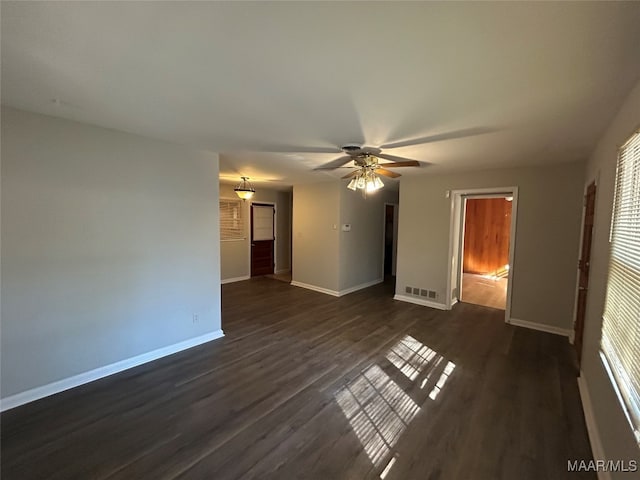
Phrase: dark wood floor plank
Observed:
(305, 385)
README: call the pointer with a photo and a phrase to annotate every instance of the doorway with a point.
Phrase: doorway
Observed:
(390, 239)
(584, 266)
(262, 239)
(481, 247)
(485, 251)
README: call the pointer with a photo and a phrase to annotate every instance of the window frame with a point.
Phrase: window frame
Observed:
(620, 377)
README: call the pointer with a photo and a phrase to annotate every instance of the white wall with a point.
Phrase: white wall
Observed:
(235, 261)
(110, 244)
(614, 431)
(548, 228)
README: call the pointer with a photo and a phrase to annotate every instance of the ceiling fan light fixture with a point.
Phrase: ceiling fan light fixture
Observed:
(371, 185)
(244, 189)
(365, 180)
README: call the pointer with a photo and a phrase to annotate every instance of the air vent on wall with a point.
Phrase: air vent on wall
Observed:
(422, 292)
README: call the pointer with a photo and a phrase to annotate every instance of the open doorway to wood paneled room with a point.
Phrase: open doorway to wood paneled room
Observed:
(485, 251)
(483, 234)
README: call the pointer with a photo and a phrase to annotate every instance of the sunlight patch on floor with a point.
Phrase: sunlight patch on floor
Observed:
(433, 368)
(410, 356)
(444, 376)
(378, 410)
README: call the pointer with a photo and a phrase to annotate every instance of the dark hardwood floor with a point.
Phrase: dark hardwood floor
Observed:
(305, 385)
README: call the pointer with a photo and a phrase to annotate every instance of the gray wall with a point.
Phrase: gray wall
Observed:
(110, 244)
(615, 432)
(361, 249)
(325, 256)
(546, 250)
(234, 254)
(316, 254)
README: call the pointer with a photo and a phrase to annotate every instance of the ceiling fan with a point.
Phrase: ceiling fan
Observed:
(367, 166)
(365, 159)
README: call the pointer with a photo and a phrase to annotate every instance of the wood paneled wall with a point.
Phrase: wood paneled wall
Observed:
(486, 235)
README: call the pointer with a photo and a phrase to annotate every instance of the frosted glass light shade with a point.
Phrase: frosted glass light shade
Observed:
(244, 189)
(366, 180)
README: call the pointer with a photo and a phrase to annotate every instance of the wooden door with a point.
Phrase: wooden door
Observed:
(487, 232)
(262, 239)
(583, 267)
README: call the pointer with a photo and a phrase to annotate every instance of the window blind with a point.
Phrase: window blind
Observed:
(232, 225)
(621, 319)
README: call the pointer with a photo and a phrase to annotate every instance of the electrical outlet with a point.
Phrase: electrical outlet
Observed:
(416, 291)
(195, 318)
(408, 289)
(424, 293)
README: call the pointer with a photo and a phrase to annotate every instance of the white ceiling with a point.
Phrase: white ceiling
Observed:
(491, 84)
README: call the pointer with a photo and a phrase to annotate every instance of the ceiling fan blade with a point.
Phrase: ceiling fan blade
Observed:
(294, 149)
(396, 159)
(407, 163)
(387, 173)
(371, 150)
(465, 132)
(352, 174)
(337, 163)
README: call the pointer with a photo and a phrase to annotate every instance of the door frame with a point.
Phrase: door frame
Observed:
(595, 181)
(456, 239)
(394, 247)
(275, 229)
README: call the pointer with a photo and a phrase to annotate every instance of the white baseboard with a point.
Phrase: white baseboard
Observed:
(101, 372)
(308, 286)
(336, 293)
(235, 279)
(565, 332)
(282, 270)
(592, 428)
(420, 301)
(349, 290)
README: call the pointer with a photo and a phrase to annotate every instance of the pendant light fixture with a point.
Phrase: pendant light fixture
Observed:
(244, 189)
